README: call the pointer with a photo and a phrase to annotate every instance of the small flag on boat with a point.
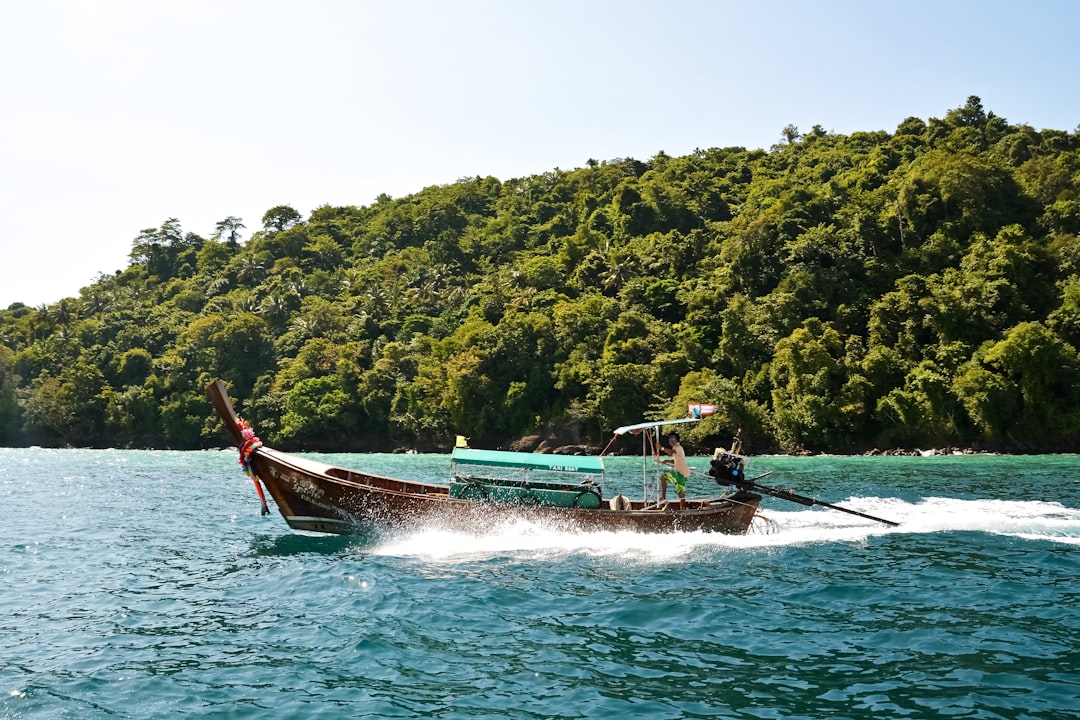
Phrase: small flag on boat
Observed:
(462, 441)
(697, 410)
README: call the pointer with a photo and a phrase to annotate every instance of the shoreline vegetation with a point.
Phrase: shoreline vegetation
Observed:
(623, 452)
(918, 288)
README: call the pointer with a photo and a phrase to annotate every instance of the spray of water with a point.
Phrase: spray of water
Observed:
(1037, 521)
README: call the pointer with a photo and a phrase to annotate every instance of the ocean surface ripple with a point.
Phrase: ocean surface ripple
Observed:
(145, 585)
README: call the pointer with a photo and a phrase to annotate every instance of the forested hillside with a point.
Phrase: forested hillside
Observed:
(919, 288)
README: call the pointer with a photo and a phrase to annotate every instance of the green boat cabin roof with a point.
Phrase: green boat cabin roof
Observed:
(531, 461)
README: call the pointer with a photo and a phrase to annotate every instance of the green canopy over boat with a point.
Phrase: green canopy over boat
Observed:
(528, 461)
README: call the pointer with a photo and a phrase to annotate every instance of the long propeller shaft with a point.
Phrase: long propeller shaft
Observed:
(808, 501)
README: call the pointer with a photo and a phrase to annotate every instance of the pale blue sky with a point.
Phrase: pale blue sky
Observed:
(116, 115)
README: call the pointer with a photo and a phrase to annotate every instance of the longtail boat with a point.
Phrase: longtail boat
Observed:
(486, 488)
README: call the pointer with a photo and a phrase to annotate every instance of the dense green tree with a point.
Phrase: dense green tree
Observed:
(806, 374)
(318, 413)
(229, 231)
(836, 292)
(132, 416)
(1047, 372)
(9, 407)
(990, 399)
(280, 217)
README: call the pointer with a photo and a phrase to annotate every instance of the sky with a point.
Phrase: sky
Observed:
(117, 115)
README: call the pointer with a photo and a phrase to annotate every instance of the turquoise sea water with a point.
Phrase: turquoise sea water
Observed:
(146, 585)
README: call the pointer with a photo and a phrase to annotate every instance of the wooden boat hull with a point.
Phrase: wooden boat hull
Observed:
(324, 498)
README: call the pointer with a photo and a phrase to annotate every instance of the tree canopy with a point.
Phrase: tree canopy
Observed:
(834, 293)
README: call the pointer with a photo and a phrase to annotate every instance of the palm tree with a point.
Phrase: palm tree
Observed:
(252, 271)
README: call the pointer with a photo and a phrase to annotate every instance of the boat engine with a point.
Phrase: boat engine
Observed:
(727, 468)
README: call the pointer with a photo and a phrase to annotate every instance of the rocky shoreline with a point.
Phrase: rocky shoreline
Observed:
(916, 452)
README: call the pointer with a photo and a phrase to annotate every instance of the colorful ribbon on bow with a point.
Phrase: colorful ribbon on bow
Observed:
(247, 448)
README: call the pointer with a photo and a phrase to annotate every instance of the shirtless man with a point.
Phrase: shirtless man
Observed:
(680, 470)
